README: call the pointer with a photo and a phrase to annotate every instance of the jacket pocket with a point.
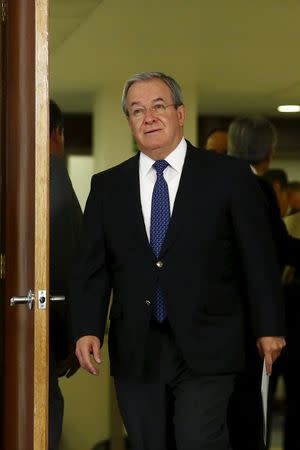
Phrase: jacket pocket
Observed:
(222, 302)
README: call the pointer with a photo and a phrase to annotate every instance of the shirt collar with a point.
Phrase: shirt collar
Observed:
(175, 159)
(253, 169)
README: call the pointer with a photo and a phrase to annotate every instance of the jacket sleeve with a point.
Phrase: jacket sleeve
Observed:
(287, 247)
(258, 255)
(91, 293)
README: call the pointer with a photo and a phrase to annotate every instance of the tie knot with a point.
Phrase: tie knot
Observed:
(160, 166)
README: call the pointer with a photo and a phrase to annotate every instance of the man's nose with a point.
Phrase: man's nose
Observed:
(149, 116)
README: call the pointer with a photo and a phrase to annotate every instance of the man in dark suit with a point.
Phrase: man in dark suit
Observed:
(65, 224)
(279, 181)
(253, 139)
(169, 232)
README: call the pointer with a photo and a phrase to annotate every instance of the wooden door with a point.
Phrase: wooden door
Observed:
(26, 224)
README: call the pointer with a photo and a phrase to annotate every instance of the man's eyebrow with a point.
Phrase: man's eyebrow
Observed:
(158, 99)
(135, 103)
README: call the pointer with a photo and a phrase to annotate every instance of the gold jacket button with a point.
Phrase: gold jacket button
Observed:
(159, 264)
(148, 303)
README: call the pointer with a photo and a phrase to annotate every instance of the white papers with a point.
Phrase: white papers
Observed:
(264, 397)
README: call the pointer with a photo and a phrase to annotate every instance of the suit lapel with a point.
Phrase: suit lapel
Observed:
(134, 200)
(181, 209)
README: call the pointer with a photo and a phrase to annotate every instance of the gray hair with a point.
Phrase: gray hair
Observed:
(145, 76)
(251, 138)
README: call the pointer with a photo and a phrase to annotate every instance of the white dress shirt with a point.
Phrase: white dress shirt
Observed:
(253, 169)
(172, 176)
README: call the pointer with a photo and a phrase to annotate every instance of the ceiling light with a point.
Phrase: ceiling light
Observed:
(288, 108)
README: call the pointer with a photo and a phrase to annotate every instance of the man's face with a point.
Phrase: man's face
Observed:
(217, 142)
(294, 199)
(157, 134)
(57, 140)
(282, 198)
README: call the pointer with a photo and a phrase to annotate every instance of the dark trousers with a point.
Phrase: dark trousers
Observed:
(285, 366)
(56, 407)
(288, 362)
(245, 415)
(173, 408)
(291, 426)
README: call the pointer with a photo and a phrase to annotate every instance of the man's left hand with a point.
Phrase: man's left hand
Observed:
(270, 348)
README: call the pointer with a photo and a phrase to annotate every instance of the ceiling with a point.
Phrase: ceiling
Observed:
(240, 56)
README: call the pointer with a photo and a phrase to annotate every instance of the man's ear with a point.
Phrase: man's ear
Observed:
(54, 135)
(56, 143)
(277, 186)
(270, 155)
(181, 114)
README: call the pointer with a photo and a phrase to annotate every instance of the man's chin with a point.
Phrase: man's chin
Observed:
(155, 148)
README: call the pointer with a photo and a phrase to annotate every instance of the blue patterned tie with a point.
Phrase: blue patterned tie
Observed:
(160, 218)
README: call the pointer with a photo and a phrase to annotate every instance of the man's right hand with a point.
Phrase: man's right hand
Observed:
(85, 347)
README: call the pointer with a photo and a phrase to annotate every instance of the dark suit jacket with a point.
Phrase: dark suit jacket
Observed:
(288, 250)
(218, 260)
(287, 247)
(65, 225)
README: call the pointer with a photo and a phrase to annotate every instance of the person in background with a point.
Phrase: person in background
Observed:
(279, 181)
(65, 225)
(253, 139)
(294, 197)
(291, 358)
(216, 140)
(181, 279)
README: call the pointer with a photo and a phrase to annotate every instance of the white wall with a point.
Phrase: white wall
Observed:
(81, 169)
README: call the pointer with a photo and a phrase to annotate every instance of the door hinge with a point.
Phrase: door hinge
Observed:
(2, 266)
(3, 10)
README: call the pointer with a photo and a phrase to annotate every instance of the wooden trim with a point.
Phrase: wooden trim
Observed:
(41, 333)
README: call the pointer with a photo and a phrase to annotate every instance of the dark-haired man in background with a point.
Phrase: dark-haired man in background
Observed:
(65, 224)
(217, 140)
(294, 197)
(279, 181)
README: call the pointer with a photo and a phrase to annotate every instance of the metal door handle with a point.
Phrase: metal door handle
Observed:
(41, 299)
(57, 298)
(23, 300)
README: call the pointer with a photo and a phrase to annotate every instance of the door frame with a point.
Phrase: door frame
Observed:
(41, 322)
